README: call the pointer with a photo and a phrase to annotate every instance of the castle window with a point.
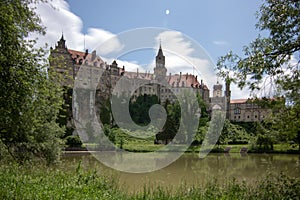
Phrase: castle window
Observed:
(237, 111)
(248, 116)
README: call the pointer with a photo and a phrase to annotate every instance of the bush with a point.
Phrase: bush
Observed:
(264, 142)
(73, 141)
(196, 143)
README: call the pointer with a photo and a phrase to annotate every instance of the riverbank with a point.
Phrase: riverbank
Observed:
(40, 182)
(236, 148)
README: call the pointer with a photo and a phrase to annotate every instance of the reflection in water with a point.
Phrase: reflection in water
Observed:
(190, 169)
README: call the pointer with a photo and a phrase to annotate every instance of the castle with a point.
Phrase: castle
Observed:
(69, 61)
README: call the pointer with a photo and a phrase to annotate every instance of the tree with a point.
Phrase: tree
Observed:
(270, 57)
(172, 122)
(30, 101)
(139, 109)
(214, 132)
(203, 122)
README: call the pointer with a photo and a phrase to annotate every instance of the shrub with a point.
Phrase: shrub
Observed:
(73, 141)
(264, 142)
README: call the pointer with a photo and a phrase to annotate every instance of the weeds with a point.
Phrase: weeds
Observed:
(38, 182)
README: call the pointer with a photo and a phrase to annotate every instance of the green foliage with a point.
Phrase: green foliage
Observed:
(214, 132)
(52, 183)
(200, 135)
(65, 112)
(139, 109)
(270, 55)
(105, 113)
(172, 122)
(235, 134)
(270, 58)
(29, 100)
(45, 183)
(264, 142)
(73, 141)
(111, 134)
(284, 125)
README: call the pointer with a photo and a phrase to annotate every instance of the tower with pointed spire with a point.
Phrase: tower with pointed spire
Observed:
(61, 61)
(62, 42)
(160, 70)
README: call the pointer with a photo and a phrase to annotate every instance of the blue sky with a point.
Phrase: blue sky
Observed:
(218, 26)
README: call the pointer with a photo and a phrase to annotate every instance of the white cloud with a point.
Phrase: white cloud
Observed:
(189, 60)
(57, 18)
(220, 43)
(131, 66)
(108, 41)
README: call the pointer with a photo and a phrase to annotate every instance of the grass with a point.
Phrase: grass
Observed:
(235, 148)
(39, 182)
(140, 145)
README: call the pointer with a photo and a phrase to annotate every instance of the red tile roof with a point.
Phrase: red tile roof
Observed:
(238, 100)
(186, 80)
(81, 57)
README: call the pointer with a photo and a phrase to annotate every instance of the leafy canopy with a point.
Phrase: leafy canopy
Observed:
(269, 56)
(275, 58)
(29, 100)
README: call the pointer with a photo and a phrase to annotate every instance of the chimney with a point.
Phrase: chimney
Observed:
(180, 76)
(93, 55)
(86, 53)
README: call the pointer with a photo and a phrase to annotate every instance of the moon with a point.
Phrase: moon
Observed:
(167, 12)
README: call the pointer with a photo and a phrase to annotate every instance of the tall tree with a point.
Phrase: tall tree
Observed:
(29, 100)
(271, 57)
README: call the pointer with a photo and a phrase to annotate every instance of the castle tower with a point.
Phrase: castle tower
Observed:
(217, 92)
(61, 61)
(61, 43)
(160, 71)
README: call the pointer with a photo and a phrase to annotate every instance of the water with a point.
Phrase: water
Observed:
(189, 169)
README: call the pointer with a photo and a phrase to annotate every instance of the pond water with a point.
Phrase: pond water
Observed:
(189, 169)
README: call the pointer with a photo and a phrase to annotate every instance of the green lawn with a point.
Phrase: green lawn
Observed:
(143, 145)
